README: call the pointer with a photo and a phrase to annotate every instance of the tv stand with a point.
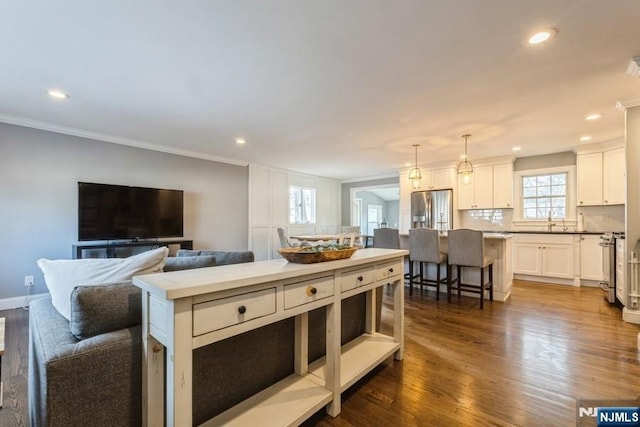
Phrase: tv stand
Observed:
(110, 247)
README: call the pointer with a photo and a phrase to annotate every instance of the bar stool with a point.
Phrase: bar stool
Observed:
(424, 248)
(466, 249)
(388, 238)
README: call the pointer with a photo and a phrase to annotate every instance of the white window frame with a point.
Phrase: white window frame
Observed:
(570, 170)
(356, 213)
(298, 209)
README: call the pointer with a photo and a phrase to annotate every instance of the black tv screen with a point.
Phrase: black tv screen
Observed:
(113, 212)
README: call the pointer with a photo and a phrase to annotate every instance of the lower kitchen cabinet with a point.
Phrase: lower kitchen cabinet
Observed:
(543, 255)
(591, 258)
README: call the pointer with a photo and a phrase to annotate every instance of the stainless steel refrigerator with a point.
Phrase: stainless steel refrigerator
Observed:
(432, 209)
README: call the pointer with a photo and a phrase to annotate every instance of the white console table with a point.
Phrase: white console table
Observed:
(185, 310)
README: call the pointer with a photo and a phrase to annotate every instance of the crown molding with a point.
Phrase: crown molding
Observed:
(625, 104)
(65, 130)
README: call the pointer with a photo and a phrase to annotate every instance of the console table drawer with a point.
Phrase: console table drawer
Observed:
(296, 294)
(354, 278)
(389, 270)
(221, 313)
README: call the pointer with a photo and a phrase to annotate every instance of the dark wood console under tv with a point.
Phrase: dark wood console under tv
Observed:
(77, 249)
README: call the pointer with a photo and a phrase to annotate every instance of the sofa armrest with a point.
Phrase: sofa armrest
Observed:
(96, 381)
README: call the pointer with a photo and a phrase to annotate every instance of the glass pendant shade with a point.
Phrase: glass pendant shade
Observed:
(465, 168)
(415, 175)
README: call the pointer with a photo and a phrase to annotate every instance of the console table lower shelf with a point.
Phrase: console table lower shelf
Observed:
(183, 311)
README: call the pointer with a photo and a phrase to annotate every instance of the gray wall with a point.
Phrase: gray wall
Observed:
(554, 160)
(346, 191)
(39, 172)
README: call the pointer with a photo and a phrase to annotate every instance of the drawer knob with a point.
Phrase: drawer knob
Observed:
(311, 291)
(242, 309)
(391, 270)
(360, 278)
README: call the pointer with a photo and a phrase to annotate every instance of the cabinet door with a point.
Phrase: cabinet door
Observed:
(589, 173)
(557, 260)
(591, 258)
(466, 194)
(614, 177)
(443, 178)
(483, 187)
(526, 258)
(503, 186)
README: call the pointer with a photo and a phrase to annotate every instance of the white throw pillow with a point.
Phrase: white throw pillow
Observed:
(62, 275)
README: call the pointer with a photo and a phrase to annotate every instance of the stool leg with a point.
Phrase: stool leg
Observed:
(449, 280)
(410, 277)
(481, 287)
(490, 282)
(421, 276)
(438, 282)
(459, 280)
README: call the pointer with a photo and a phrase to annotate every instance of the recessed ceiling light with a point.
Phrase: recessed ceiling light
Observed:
(516, 148)
(594, 116)
(585, 138)
(240, 141)
(57, 94)
(541, 36)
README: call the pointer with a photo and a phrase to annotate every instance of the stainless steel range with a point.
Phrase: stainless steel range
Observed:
(608, 284)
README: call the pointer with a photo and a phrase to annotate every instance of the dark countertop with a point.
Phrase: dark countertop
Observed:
(545, 232)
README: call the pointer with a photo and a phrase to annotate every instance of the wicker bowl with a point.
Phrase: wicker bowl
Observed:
(294, 255)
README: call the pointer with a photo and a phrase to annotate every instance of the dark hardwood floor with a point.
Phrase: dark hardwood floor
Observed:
(520, 363)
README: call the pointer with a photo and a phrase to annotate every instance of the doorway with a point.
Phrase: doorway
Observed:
(374, 218)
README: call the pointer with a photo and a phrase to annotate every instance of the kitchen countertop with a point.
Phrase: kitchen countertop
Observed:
(547, 232)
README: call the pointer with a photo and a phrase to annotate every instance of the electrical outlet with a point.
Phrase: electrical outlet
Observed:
(28, 281)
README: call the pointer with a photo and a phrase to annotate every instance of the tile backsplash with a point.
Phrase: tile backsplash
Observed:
(596, 219)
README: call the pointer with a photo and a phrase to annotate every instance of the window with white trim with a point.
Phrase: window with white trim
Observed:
(544, 196)
(302, 205)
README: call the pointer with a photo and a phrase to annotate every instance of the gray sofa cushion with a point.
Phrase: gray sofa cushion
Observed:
(222, 257)
(189, 262)
(96, 310)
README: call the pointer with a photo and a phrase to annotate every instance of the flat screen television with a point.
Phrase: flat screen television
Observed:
(118, 212)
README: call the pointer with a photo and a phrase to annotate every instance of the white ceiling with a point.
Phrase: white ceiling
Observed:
(328, 87)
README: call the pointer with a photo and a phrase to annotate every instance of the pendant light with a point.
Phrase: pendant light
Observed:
(414, 174)
(465, 168)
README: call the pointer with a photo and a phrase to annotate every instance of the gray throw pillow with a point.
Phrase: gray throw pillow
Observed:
(189, 262)
(100, 309)
(222, 257)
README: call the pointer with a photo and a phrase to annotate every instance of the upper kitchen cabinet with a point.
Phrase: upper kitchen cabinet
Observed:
(503, 186)
(601, 177)
(614, 177)
(478, 194)
(437, 179)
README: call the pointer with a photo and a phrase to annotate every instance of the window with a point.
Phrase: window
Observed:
(544, 196)
(302, 205)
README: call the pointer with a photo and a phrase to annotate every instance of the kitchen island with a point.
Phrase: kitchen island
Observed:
(496, 245)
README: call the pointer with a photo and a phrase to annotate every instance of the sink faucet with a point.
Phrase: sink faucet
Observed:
(550, 224)
(564, 226)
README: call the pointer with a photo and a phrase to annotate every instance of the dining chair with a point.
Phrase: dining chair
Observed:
(424, 248)
(466, 249)
(355, 229)
(284, 239)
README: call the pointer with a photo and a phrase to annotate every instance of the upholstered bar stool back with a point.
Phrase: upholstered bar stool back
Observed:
(424, 248)
(466, 249)
(388, 238)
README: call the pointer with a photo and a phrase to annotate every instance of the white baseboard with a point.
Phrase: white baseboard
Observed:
(631, 316)
(18, 302)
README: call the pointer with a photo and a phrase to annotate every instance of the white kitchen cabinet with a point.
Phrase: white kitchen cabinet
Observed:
(621, 264)
(591, 258)
(478, 194)
(589, 174)
(437, 179)
(544, 255)
(405, 192)
(503, 186)
(601, 178)
(613, 177)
